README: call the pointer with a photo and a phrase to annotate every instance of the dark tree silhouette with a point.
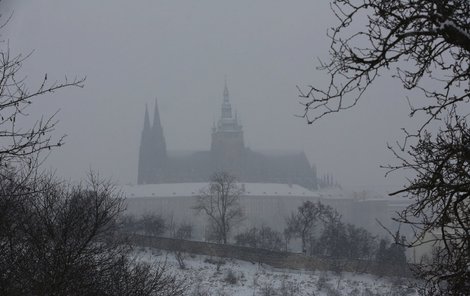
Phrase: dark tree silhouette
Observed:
(420, 41)
(220, 201)
(306, 221)
(62, 240)
(440, 212)
(339, 240)
(152, 224)
(20, 145)
(426, 45)
(57, 239)
(263, 238)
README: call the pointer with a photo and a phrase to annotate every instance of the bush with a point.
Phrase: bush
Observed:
(198, 290)
(322, 281)
(216, 261)
(152, 224)
(345, 241)
(230, 277)
(368, 292)
(129, 224)
(268, 290)
(184, 231)
(288, 289)
(263, 238)
(61, 240)
(180, 257)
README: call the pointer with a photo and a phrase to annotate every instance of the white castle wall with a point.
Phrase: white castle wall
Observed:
(269, 206)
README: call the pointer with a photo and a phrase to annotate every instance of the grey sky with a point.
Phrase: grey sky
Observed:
(180, 51)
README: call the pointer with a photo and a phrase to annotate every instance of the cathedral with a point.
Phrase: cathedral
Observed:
(227, 152)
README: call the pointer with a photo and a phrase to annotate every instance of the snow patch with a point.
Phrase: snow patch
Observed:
(202, 274)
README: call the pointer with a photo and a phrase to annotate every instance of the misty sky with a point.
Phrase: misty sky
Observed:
(180, 51)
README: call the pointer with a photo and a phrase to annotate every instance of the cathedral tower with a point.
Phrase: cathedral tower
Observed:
(145, 168)
(159, 160)
(152, 154)
(159, 144)
(227, 153)
(227, 138)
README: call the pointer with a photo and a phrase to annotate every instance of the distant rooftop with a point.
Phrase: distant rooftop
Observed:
(278, 152)
(333, 193)
(193, 189)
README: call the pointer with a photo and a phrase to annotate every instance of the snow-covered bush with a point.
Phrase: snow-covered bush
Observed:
(230, 277)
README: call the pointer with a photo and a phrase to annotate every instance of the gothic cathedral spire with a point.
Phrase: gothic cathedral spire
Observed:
(146, 120)
(157, 131)
(226, 94)
(152, 153)
(226, 106)
(144, 153)
(227, 145)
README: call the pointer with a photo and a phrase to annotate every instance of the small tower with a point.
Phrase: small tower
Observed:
(152, 153)
(159, 155)
(227, 138)
(157, 132)
(145, 169)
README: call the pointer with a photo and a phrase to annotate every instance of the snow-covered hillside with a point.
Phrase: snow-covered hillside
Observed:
(227, 277)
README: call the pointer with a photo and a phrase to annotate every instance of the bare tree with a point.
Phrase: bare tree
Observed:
(340, 240)
(57, 239)
(184, 231)
(425, 43)
(20, 144)
(440, 212)
(61, 240)
(305, 221)
(152, 224)
(263, 238)
(220, 201)
(137, 278)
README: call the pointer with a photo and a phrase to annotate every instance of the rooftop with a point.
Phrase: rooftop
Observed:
(193, 189)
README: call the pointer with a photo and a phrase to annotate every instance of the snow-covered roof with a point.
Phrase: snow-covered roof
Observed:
(277, 152)
(331, 193)
(193, 189)
(339, 193)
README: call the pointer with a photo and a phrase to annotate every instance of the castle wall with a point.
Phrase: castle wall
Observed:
(271, 210)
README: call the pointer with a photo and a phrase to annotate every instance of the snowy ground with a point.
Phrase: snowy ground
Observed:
(240, 278)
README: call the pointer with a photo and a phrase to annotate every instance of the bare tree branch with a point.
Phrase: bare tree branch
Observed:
(220, 202)
(440, 211)
(422, 40)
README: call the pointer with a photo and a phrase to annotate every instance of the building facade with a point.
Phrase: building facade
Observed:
(227, 153)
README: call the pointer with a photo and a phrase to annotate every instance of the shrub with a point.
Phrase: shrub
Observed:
(263, 238)
(230, 277)
(268, 290)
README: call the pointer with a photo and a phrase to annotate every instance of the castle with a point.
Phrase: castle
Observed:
(227, 152)
(275, 183)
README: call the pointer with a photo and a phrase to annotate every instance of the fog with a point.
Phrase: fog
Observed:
(181, 52)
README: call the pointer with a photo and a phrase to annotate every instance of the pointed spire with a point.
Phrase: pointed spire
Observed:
(226, 107)
(146, 119)
(157, 131)
(143, 173)
(152, 154)
(226, 93)
(156, 117)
